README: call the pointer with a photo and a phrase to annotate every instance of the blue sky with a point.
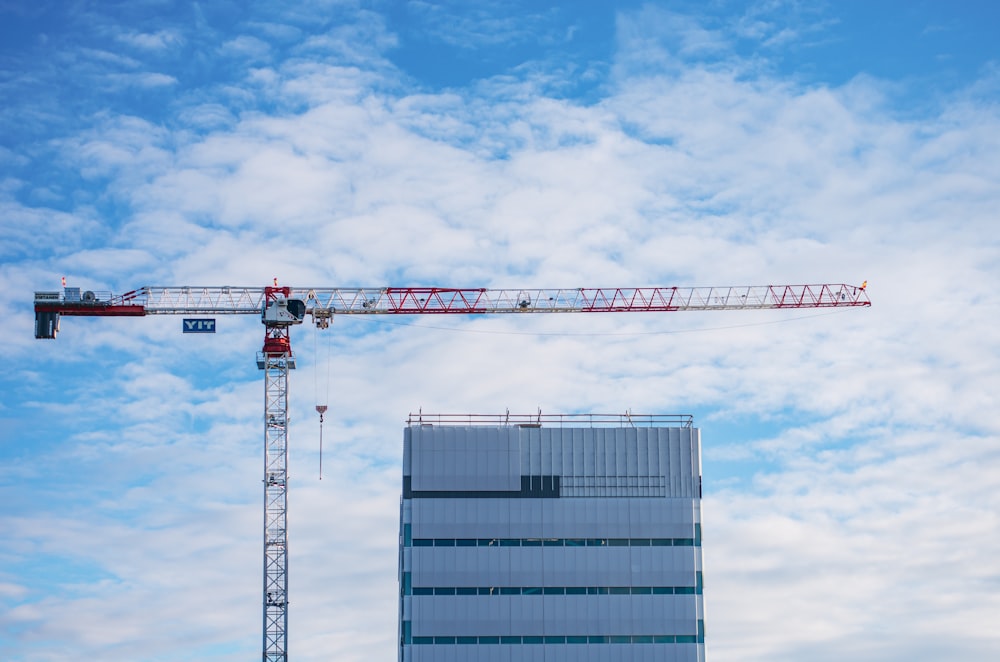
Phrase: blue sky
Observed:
(850, 459)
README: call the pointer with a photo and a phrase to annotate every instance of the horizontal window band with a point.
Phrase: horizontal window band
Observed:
(532, 487)
(553, 590)
(480, 640)
(561, 639)
(559, 542)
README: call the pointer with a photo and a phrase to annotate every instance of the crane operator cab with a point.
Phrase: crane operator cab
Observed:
(280, 311)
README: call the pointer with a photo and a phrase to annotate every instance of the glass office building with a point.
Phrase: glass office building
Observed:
(551, 539)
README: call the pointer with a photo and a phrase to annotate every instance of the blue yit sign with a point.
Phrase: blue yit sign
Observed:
(199, 326)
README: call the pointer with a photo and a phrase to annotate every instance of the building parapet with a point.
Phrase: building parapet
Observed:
(507, 419)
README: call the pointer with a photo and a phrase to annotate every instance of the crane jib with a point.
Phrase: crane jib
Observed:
(322, 303)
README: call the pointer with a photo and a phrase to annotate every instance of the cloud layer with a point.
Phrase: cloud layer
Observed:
(851, 461)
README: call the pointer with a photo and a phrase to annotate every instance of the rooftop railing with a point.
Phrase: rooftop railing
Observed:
(507, 419)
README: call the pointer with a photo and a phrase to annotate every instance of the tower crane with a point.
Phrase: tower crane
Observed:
(280, 308)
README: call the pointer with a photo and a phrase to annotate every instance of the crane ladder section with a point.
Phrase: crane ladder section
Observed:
(275, 507)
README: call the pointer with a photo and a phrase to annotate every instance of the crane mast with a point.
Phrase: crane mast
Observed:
(275, 359)
(275, 369)
(281, 308)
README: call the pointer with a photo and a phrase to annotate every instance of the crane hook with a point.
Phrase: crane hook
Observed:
(322, 410)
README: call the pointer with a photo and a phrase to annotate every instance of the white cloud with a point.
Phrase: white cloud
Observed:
(472, 28)
(161, 40)
(208, 116)
(247, 48)
(146, 80)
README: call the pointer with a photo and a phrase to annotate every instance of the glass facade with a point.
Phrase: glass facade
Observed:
(523, 543)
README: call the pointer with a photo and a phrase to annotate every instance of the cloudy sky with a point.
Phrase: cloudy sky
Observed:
(851, 459)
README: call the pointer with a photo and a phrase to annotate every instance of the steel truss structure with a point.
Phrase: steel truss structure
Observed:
(323, 302)
(275, 367)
